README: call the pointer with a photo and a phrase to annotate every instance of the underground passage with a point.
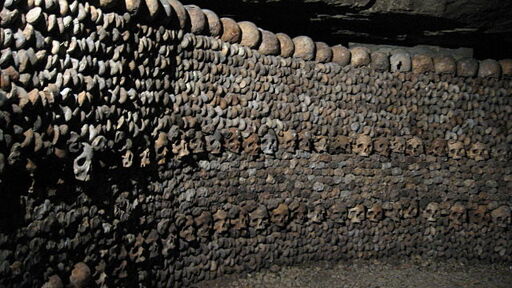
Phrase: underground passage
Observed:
(154, 143)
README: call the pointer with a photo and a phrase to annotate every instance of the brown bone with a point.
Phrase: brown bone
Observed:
(467, 67)
(286, 45)
(197, 18)
(360, 56)
(153, 7)
(489, 68)
(231, 32)
(380, 61)
(323, 52)
(422, 64)
(214, 24)
(251, 35)
(180, 12)
(304, 48)
(444, 65)
(340, 55)
(80, 276)
(132, 6)
(270, 44)
(506, 67)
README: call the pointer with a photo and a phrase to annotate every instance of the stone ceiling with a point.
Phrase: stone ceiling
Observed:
(484, 25)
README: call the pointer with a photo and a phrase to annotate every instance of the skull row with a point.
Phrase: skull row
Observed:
(459, 214)
(247, 34)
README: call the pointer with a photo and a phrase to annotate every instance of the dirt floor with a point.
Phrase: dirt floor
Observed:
(416, 274)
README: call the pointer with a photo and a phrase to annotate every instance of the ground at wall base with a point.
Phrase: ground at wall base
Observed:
(419, 273)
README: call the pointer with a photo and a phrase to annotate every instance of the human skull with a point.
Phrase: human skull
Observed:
(432, 212)
(360, 56)
(196, 142)
(438, 147)
(259, 218)
(489, 68)
(180, 148)
(363, 145)
(203, 222)
(80, 276)
(501, 216)
(251, 144)
(338, 212)
(188, 230)
(99, 143)
(458, 214)
(269, 144)
(127, 159)
(467, 67)
(161, 148)
(400, 61)
(145, 159)
(375, 213)
(214, 143)
(410, 209)
(356, 214)
(305, 141)
(320, 144)
(169, 244)
(456, 150)
(380, 61)
(317, 215)
(478, 152)
(240, 221)
(340, 144)
(422, 63)
(392, 210)
(398, 144)
(298, 212)
(280, 215)
(82, 165)
(414, 146)
(221, 223)
(233, 140)
(444, 64)
(287, 140)
(15, 154)
(381, 146)
(479, 215)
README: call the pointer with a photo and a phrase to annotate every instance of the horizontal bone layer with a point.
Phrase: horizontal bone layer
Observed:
(135, 149)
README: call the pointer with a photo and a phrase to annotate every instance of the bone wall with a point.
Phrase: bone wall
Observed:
(133, 151)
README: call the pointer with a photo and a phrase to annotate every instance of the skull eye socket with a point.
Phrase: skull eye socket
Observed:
(81, 161)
